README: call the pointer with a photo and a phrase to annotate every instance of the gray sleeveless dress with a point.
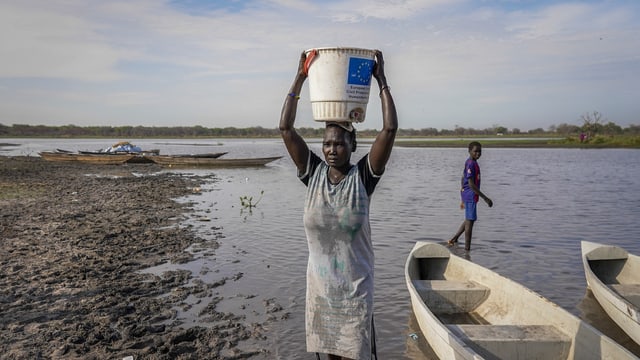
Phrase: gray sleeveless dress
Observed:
(339, 298)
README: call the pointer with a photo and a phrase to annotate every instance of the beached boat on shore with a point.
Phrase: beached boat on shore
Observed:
(118, 153)
(196, 161)
(100, 152)
(137, 158)
(466, 311)
(110, 159)
(124, 148)
(196, 156)
(613, 275)
(57, 156)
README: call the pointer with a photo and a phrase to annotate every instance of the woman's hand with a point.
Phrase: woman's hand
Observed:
(378, 69)
(301, 76)
(302, 66)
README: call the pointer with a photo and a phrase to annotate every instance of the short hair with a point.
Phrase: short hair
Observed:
(474, 144)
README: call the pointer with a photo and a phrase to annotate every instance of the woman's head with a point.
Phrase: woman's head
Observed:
(338, 143)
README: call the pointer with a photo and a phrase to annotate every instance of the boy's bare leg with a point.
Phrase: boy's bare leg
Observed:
(468, 232)
(455, 237)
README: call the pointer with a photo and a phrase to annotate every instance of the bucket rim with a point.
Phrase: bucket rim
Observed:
(346, 48)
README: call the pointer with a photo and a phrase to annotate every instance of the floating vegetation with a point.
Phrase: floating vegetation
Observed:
(247, 202)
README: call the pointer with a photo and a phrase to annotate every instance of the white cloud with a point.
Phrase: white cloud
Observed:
(359, 10)
(39, 42)
(462, 61)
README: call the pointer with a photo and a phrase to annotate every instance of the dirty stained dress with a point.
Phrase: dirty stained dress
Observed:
(339, 297)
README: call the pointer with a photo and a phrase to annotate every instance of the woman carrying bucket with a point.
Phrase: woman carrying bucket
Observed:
(339, 295)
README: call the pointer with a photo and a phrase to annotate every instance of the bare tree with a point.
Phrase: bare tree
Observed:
(591, 123)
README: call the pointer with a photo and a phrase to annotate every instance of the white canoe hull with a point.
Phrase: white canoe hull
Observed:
(614, 278)
(466, 311)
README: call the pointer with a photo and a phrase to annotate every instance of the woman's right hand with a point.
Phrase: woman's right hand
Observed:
(302, 71)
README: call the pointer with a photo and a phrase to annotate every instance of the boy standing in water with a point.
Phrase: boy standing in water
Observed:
(470, 194)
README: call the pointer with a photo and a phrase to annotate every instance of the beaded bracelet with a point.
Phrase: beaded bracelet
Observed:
(383, 88)
(293, 95)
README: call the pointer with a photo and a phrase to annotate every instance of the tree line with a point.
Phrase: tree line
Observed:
(592, 125)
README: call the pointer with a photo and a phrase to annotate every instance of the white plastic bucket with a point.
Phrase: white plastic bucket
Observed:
(339, 82)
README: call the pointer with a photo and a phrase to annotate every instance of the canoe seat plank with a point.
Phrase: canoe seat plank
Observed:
(515, 341)
(450, 297)
(631, 292)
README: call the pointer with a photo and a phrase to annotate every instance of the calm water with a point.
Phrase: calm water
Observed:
(545, 202)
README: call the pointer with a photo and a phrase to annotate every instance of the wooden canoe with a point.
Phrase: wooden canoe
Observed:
(466, 311)
(111, 159)
(57, 156)
(204, 155)
(102, 152)
(613, 275)
(187, 161)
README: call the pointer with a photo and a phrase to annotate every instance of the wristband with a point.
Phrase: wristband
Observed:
(293, 95)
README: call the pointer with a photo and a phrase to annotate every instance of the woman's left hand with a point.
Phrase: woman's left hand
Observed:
(378, 67)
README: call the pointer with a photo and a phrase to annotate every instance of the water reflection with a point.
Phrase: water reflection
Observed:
(417, 345)
(546, 202)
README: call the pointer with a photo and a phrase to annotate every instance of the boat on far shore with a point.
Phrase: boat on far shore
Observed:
(122, 148)
(118, 153)
(208, 161)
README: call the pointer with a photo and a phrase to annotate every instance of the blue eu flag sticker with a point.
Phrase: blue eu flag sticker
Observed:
(360, 71)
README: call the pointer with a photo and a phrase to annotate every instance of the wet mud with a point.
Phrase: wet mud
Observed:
(73, 241)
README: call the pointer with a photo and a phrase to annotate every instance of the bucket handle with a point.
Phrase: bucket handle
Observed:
(307, 62)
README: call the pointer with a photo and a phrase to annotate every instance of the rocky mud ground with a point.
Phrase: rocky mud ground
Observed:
(73, 239)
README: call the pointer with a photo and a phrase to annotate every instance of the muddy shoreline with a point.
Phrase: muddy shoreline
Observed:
(73, 239)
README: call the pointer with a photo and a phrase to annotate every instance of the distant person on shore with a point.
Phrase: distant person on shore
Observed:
(470, 194)
(339, 295)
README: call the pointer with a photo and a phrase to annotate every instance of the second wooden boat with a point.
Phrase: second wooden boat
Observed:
(613, 275)
(204, 155)
(187, 161)
(466, 311)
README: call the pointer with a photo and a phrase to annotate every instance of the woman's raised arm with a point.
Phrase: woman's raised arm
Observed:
(383, 144)
(296, 146)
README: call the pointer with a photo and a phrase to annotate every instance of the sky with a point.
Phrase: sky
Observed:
(449, 63)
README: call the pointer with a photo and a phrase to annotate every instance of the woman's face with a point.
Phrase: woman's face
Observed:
(336, 146)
